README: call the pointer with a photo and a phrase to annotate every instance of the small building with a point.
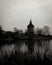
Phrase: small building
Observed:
(30, 27)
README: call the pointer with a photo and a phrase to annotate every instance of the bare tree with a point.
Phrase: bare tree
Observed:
(15, 29)
(0, 27)
(38, 31)
(46, 30)
(1, 30)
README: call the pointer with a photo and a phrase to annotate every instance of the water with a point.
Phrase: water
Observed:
(33, 47)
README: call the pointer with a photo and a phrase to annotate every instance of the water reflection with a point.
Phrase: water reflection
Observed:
(23, 48)
(28, 46)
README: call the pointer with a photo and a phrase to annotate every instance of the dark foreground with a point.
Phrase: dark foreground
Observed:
(25, 59)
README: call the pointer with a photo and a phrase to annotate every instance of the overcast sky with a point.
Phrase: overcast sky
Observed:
(17, 13)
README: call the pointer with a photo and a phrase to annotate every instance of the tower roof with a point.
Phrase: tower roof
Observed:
(30, 24)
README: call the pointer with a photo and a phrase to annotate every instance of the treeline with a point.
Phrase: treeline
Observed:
(5, 34)
(17, 34)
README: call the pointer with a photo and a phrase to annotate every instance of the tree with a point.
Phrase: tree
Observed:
(46, 30)
(38, 31)
(1, 29)
(15, 29)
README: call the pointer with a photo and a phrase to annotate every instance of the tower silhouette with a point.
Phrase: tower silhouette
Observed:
(30, 27)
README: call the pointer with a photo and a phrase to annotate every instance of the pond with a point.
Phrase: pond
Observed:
(33, 47)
